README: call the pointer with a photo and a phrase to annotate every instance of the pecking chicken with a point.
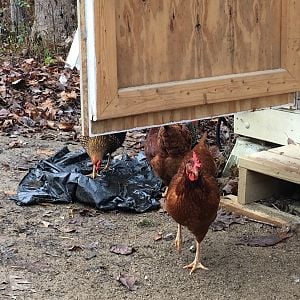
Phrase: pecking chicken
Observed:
(165, 147)
(99, 146)
(193, 197)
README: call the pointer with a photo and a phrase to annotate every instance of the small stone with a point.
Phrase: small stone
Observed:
(169, 237)
(193, 249)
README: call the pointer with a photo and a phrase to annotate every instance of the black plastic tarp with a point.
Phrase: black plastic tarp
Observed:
(129, 184)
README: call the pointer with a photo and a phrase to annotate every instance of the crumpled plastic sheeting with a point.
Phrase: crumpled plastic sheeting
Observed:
(128, 185)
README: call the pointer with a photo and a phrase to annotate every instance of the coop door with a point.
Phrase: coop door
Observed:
(152, 62)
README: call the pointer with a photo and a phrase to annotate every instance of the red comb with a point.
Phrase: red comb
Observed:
(196, 160)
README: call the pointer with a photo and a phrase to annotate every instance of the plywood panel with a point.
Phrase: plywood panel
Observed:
(190, 113)
(152, 62)
(169, 40)
(181, 94)
(106, 57)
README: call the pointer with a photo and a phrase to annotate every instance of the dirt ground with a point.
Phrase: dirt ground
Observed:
(63, 251)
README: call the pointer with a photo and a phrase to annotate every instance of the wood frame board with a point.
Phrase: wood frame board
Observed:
(108, 108)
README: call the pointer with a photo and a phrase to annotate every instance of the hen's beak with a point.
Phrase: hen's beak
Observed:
(193, 175)
(195, 172)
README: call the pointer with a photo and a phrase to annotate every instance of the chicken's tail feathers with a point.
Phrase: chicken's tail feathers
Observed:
(202, 141)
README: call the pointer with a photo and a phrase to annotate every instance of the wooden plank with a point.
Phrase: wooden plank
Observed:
(268, 125)
(291, 151)
(291, 35)
(189, 93)
(106, 54)
(273, 164)
(196, 39)
(191, 113)
(83, 68)
(252, 36)
(258, 212)
(253, 186)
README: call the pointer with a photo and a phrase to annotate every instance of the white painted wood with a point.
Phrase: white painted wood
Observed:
(272, 125)
(91, 58)
(73, 59)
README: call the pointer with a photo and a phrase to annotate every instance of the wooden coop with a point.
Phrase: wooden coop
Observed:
(151, 62)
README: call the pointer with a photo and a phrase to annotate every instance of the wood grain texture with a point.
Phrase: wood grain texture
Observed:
(253, 186)
(273, 164)
(106, 54)
(258, 212)
(166, 61)
(83, 68)
(190, 113)
(162, 41)
(259, 173)
(291, 37)
(174, 95)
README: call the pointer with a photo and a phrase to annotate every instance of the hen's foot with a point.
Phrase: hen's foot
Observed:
(194, 266)
(107, 164)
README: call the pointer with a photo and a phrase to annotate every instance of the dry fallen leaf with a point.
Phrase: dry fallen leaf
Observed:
(224, 219)
(17, 83)
(266, 240)
(4, 113)
(68, 96)
(128, 281)
(51, 125)
(122, 249)
(231, 187)
(75, 248)
(29, 61)
(65, 126)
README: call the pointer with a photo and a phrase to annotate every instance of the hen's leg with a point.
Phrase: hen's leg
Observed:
(178, 239)
(94, 174)
(196, 264)
(164, 194)
(107, 164)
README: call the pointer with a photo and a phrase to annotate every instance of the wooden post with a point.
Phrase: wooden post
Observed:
(254, 186)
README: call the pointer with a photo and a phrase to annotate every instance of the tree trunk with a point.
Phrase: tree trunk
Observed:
(16, 15)
(54, 22)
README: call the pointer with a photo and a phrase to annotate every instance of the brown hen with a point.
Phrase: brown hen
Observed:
(193, 196)
(99, 146)
(165, 148)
